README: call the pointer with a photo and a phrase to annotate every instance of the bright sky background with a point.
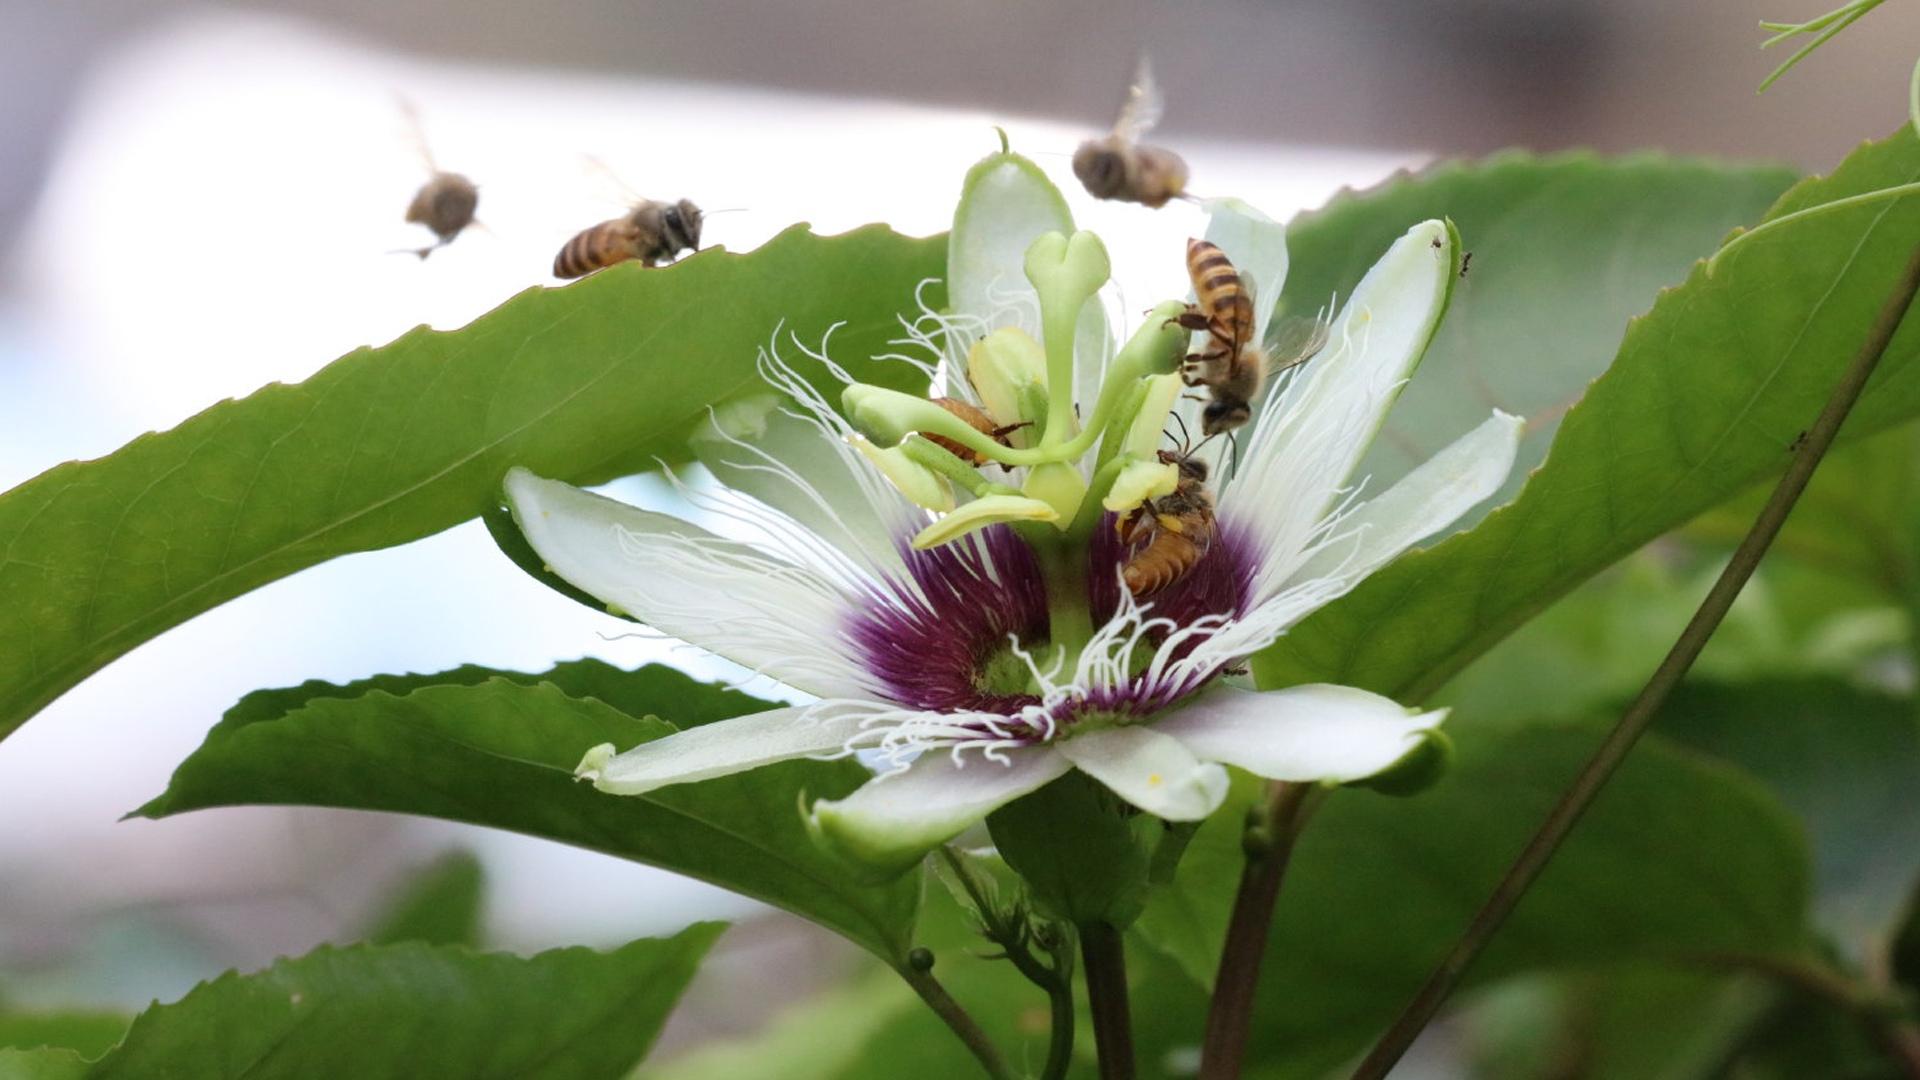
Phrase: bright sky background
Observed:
(219, 217)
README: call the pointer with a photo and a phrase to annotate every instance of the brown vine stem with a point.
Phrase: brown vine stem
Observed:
(949, 1010)
(1613, 750)
(1103, 956)
(1231, 1012)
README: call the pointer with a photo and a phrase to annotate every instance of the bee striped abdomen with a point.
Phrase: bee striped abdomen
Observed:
(596, 248)
(1222, 295)
(1166, 559)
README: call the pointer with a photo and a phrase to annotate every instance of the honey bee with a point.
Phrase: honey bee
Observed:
(1233, 366)
(1177, 528)
(445, 204)
(977, 419)
(652, 232)
(1118, 167)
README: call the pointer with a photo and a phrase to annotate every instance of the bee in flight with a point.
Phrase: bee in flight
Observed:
(652, 232)
(1118, 167)
(1232, 365)
(1177, 530)
(977, 419)
(445, 204)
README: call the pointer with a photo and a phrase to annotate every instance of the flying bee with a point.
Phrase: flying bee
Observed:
(1118, 167)
(1177, 530)
(1233, 366)
(445, 204)
(977, 419)
(652, 232)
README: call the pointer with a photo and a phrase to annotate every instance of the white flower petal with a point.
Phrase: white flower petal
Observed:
(763, 449)
(1005, 204)
(1303, 733)
(893, 820)
(720, 748)
(758, 611)
(1421, 503)
(1149, 769)
(1257, 245)
(1309, 436)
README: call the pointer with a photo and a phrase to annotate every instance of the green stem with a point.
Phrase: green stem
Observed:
(1613, 750)
(1230, 1014)
(1056, 980)
(1063, 566)
(1104, 956)
(955, 1017)
(941, 460)
(1091, 508)
(1828, 25)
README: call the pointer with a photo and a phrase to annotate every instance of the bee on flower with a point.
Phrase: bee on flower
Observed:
(948, 584)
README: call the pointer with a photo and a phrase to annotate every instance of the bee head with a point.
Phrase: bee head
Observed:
(1221, 416)
(682, 221)
(1100, 168)
(1191, 468)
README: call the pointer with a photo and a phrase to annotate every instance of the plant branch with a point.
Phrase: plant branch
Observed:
(919, 974)
(1269, 844)
(1898, 1035)
(1613, 750)
(1012, 935)
(1104, 956)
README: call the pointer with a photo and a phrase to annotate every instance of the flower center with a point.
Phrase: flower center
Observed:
(968, 634)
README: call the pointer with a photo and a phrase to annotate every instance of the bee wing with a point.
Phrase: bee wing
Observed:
(1296, 340)
(416, 131)
(621, 192)
(1143, 106)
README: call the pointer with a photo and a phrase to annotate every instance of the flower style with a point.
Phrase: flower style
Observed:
(966, 624)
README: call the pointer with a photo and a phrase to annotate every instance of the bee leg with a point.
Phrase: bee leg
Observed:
(1191, 319)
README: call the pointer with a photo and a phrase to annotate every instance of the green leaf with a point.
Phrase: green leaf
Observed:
(1379, 887)
(387, 445)
(412, 1010)
(88, 1034)
(648, 690)
(1619, 1022)
(1707, 395)
(1846, 760)
(438, 904)
(1565, 250)
(823, 1037)
(53, 1063)
(1076, 846)
(500, 753)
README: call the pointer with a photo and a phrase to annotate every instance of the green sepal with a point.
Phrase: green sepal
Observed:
(1082, 852)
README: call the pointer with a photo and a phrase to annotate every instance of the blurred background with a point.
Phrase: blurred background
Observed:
(182, 184)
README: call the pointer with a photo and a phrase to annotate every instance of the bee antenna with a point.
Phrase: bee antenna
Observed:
(728, 210)
(1186, 434)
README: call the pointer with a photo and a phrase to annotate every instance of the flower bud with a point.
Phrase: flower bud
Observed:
(1008, 369)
